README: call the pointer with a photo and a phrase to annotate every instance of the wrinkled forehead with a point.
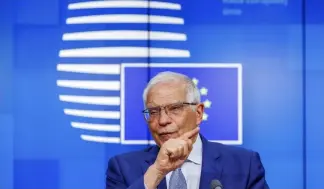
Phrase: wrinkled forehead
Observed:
(166, 93)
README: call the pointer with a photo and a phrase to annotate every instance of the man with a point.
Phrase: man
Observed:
(182, 158)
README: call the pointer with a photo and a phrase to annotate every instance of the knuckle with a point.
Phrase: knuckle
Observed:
(187, 143)
(183, 142)
(170, 141)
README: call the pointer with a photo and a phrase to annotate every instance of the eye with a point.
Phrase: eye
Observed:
(153, 111)
(175, 108)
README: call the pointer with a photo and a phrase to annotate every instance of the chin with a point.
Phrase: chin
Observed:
(164, 138)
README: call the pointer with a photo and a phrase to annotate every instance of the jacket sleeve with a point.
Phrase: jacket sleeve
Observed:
(257, 173)
(115, 178)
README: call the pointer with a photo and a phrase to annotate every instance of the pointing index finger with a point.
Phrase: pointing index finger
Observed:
(190, 134)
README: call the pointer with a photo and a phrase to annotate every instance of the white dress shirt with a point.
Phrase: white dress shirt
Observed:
(192, 167)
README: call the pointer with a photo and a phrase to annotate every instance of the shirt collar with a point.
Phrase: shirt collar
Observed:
(195, 155)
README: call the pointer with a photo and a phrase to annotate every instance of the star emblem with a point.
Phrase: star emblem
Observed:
(203, 91)
(205, 117)
(207, 103)
(195, 81)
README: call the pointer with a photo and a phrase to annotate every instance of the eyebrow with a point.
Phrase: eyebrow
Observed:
(156, 105)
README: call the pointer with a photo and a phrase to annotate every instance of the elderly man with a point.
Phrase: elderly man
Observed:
(182, 158)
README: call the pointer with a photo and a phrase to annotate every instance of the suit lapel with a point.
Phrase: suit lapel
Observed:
(149, 159)
(211, 164)
(162, 184)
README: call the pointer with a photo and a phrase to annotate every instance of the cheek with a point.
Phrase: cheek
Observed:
(187, 122)
(153, 127)
(180, 123)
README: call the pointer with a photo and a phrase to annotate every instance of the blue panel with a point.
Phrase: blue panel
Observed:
(242, 12)
(6, 49)
(6, 117)
(315, 122)
(135, 127)
(36, 174)
(6, 151)
(37, 48)
(314, 57)
(295, 48)
(314, 47)
(41, 128)
(314, 12)
(272, 112)
(37, 12)
(82, 173)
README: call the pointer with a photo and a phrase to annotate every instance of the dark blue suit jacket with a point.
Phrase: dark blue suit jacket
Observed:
(234, 167)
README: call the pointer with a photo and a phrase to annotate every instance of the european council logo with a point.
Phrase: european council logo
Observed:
(106, 62)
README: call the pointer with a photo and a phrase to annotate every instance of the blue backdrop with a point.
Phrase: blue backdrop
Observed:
(52, 139)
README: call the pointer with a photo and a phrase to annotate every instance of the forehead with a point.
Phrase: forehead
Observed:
(166, 93)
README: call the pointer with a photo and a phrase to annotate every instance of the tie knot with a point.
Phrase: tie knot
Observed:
(179, 170)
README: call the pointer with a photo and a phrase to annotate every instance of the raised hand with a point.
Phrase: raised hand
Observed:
(174, 152)
(172, 155)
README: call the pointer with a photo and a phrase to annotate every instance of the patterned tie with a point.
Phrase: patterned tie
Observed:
(177, 180)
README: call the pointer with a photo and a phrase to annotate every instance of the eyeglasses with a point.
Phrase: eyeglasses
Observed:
(170, 109)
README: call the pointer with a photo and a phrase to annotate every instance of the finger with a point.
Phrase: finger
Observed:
(179, 152)
(190, 145)
(178, 149)
(176, 155)
(185, 150)
(190, 134)
(171, 152)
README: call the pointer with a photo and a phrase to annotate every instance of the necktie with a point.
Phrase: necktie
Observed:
(177, 180)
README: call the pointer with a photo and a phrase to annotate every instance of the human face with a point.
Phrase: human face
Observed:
(172, 125)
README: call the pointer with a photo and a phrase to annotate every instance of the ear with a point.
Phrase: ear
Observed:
(199, 113)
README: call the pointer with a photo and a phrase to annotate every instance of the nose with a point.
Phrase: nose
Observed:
(164, 119)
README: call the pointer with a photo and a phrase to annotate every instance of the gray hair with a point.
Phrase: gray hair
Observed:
(193, 94)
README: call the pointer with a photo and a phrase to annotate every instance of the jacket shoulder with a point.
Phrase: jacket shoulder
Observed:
(132, 155)
(229, 150)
